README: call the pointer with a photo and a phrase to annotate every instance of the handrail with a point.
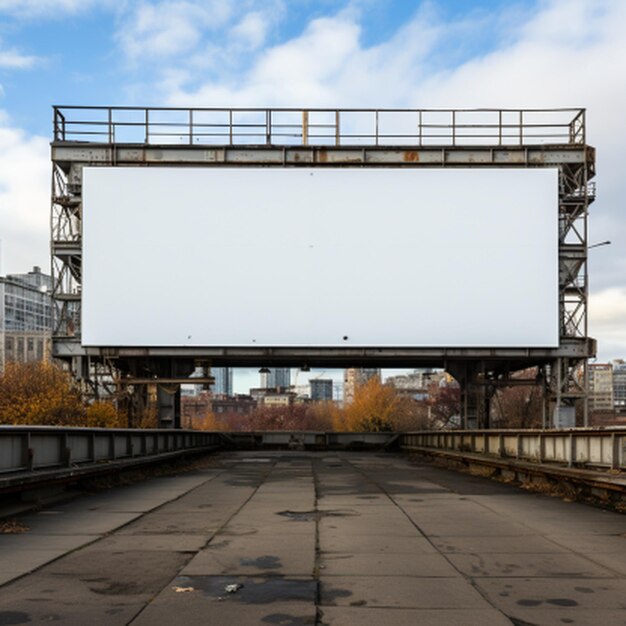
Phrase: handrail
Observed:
(36, 448)
(317, 126)
(602, 448)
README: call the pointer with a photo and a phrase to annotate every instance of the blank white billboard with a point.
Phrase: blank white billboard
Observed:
(309, 257)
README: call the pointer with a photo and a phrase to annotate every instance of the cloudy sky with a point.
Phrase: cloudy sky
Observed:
(335, 53)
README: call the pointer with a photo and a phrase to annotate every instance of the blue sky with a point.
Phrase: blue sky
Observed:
(454, 53)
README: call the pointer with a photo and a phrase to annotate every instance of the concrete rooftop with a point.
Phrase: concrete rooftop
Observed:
(316, 538)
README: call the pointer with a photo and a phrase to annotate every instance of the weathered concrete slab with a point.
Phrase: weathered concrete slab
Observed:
(64, 522)
(355, 543)
(258, 560)
(516, 565)
(348, 616)
(532, 544)
(23, 561)
(153, 542)
(400, 592)
(420, 565)
(204, 600)
(316, 538)
(564, 616)
(552, 594)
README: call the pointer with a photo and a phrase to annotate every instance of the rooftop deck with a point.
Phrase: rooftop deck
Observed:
(331, 538)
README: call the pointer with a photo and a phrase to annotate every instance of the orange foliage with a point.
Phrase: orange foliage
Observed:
(322, 416)
(104, 415)
(207, 422)
(378, 407)
(39, 393)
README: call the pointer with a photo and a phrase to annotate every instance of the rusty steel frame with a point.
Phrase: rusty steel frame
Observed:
(138, 136)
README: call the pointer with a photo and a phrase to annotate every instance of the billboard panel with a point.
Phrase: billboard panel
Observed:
(307, 257)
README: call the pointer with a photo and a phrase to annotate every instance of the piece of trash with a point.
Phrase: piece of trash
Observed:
(233, 588)
(183, 589)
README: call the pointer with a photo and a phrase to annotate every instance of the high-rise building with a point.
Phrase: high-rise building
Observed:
(600, 386)
(223, 385)
(276, 377)
(321, 389)
(355, 377)
(415, 384)
(619, 386)
(25, 317)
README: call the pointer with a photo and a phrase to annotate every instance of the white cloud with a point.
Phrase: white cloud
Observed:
(251, 30)
(37, 8)
(325, 66)
(609, 306)
(607, 309)
(166, 29)
(24, 199)
(12, 59)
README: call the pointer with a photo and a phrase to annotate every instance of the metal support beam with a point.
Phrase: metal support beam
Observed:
(92, 136)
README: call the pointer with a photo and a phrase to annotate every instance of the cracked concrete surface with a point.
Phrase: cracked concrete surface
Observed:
(326, 538)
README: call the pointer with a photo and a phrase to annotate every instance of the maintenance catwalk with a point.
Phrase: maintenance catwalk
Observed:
(289, 538)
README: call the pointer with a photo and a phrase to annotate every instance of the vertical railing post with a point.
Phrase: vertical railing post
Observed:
(376, 113)
(268, 127)
(583, 115)
(230, 127)
(500, 127)
(55, 122)
(110, 120)
(337, 128)
(147, 129)
(453, 127)
(614, 451)
(419, 126)
(305, 128)
(190, 127)
(521, 127)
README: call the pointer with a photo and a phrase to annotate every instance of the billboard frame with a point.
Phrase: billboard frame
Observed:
(503, 138)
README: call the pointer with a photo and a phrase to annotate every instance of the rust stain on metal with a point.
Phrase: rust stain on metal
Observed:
(322, 155)
(411, 156)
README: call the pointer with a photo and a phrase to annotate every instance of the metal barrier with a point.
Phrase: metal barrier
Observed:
(33, 455)
(322, 127)
(604, 448)
(35, 449)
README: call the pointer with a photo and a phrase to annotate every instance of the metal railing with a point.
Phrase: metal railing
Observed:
(318, 127)
(580, 447)
(39, 448)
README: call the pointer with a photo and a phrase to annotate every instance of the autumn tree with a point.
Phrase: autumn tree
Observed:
(102, 414)
(39, 393)
(444, 402)
(288, 417)
(378, 407)
(519, 406)
(321, 416)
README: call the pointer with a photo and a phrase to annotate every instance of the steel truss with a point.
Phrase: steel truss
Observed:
(292, 137)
